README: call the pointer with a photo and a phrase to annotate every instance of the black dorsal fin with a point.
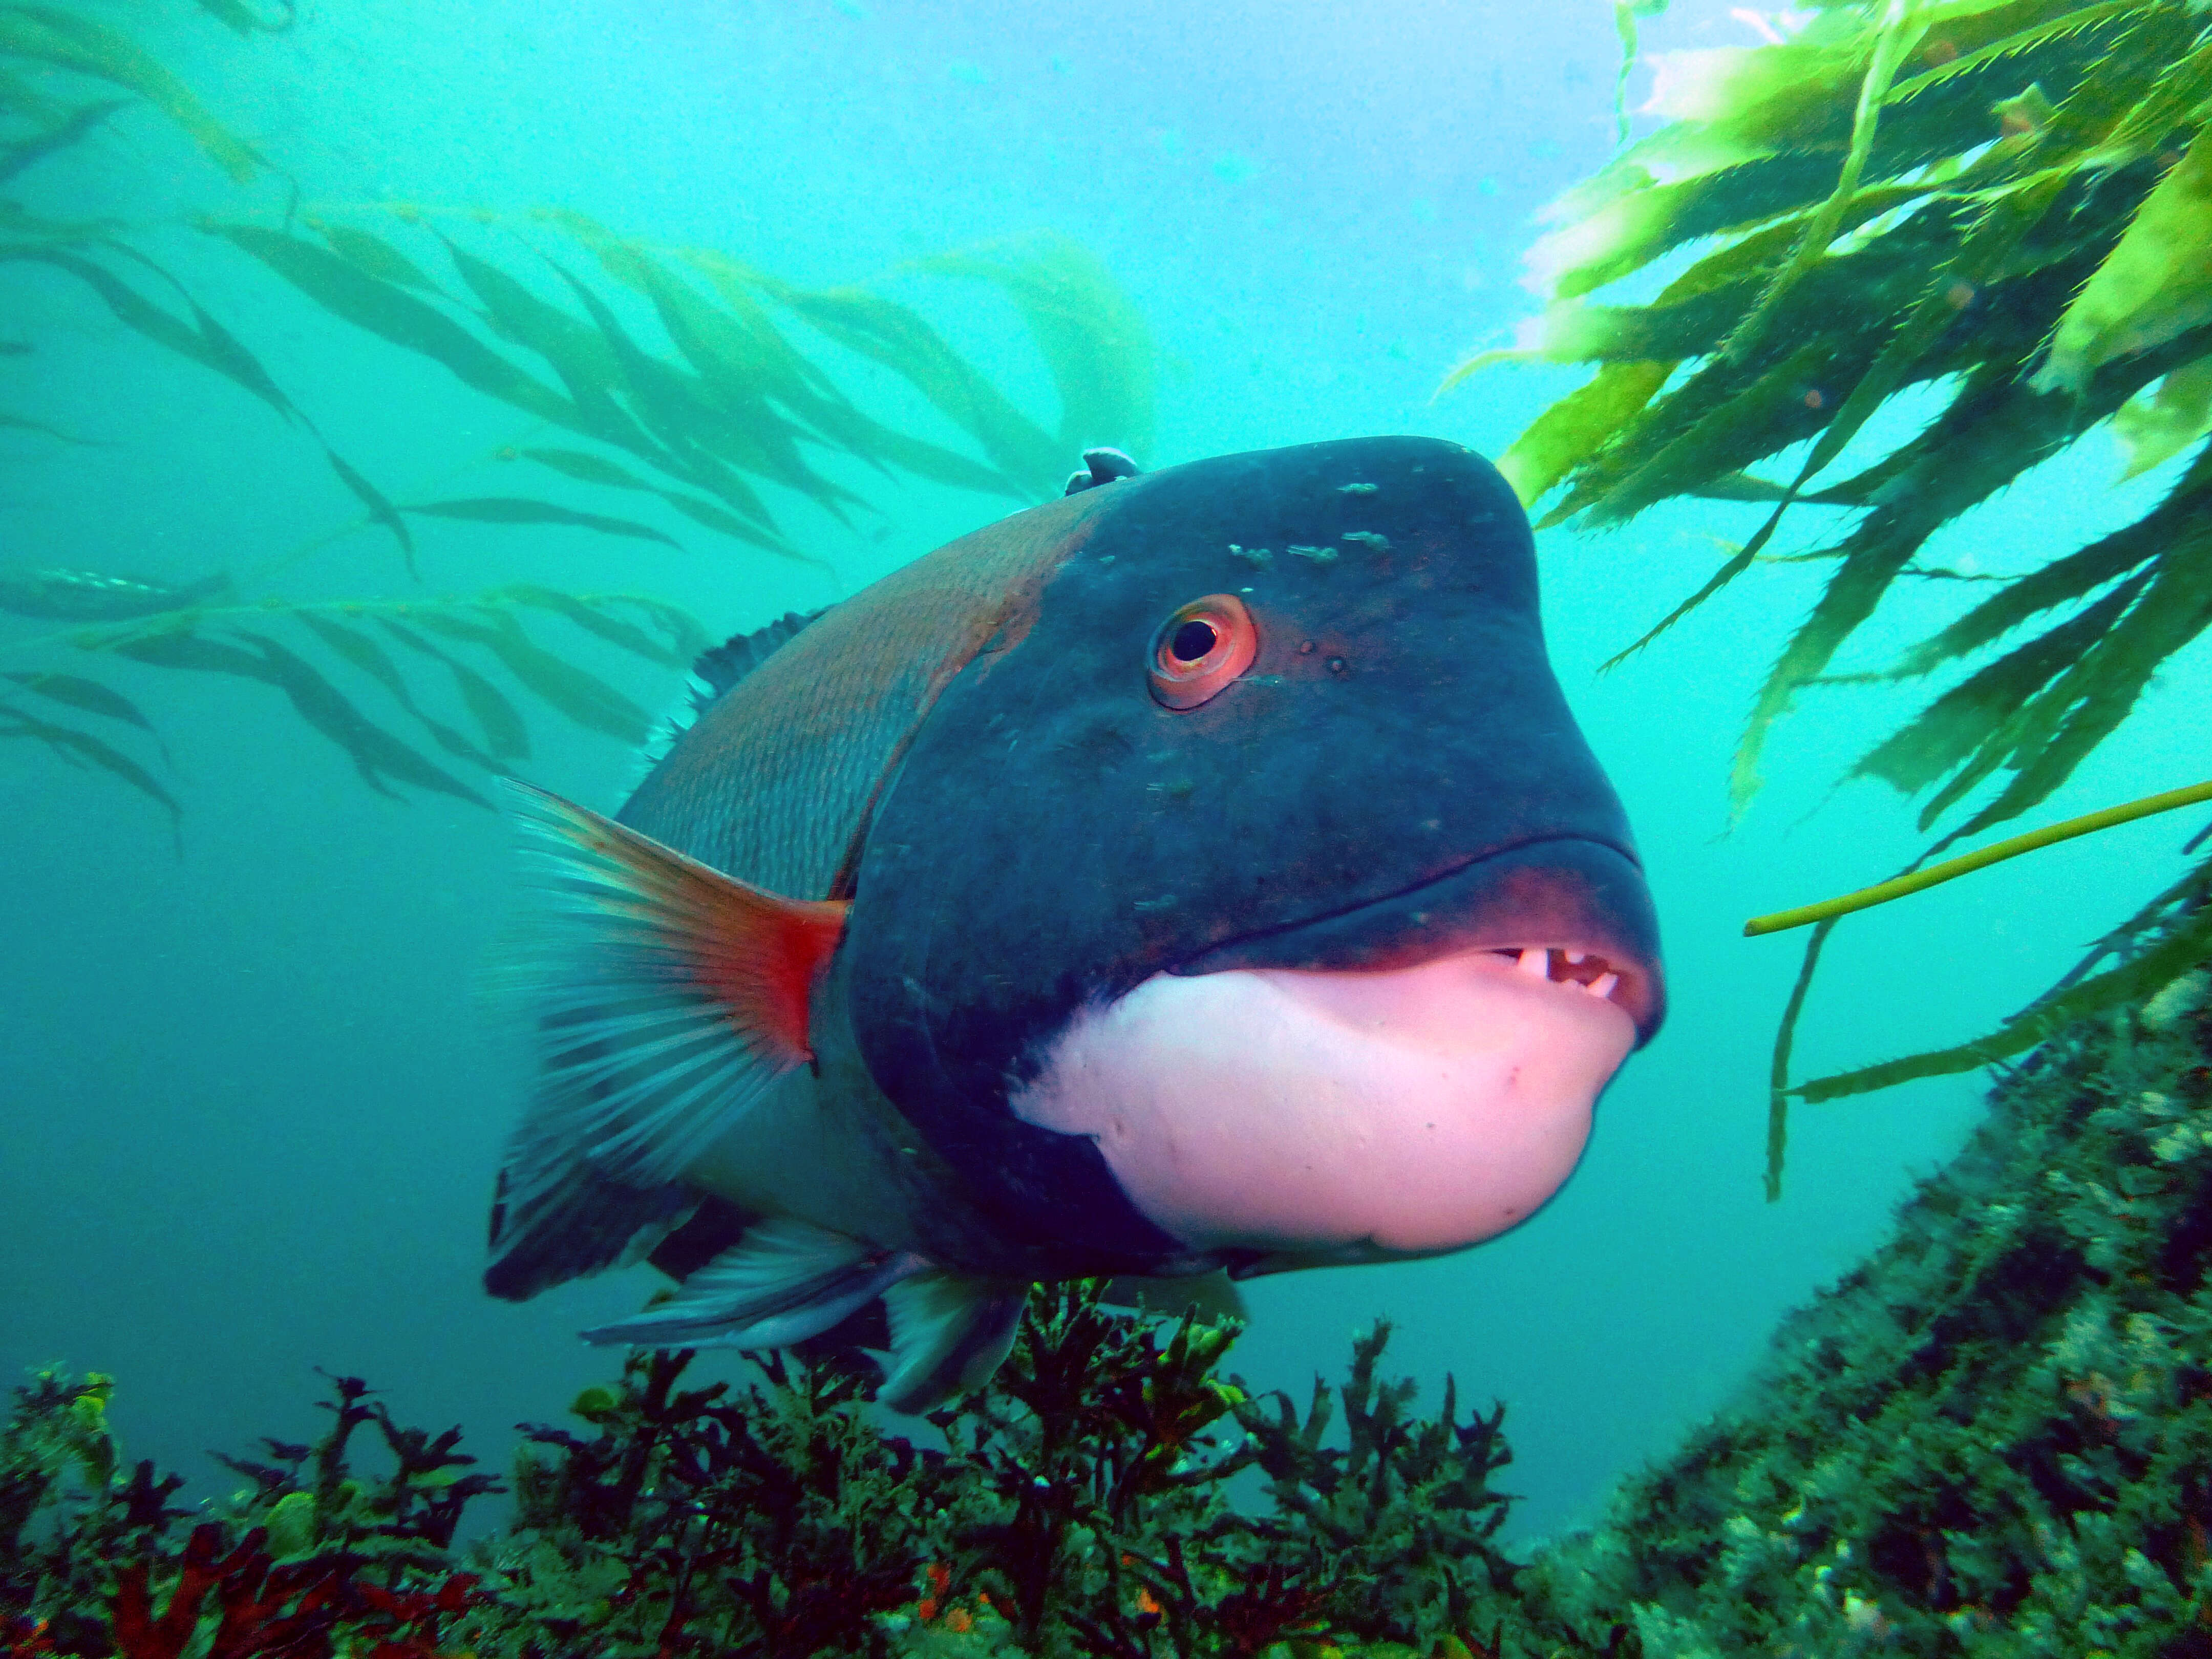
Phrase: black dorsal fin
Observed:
(718, 669)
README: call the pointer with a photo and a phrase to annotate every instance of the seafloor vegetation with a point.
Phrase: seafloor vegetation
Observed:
(1079, 1506)
(1993, 1438)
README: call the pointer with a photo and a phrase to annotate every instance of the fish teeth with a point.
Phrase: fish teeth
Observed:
(1539, 961)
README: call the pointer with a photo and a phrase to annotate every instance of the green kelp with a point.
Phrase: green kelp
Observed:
(2005, 204)
(659, 397)
(1077, 1507)
(2088, 823)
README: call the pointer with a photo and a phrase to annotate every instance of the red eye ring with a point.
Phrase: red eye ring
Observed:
(1199, 649)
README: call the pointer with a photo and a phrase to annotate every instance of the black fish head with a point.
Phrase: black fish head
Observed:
(1282, 727)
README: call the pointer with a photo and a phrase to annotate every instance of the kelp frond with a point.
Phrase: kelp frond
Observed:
(661, 393)
(68, 38)
(325, 657)
(2007, 202)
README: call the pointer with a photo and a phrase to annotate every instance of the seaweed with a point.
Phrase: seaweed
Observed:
(709, 397)
(2006, 206)
(1109, 1443)
(1078, 1506)
(315, 1550)
(1992, 1437)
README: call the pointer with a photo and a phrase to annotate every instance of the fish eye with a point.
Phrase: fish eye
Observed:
(1200, 649)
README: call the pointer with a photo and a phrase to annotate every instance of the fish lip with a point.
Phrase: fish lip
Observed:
(1564, 891)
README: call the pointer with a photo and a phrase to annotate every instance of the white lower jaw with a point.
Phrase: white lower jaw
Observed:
(1416, 1110)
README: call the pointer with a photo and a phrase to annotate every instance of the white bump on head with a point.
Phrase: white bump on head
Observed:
(1419, 1109)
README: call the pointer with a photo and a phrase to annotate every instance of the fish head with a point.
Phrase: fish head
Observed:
(1253, 895)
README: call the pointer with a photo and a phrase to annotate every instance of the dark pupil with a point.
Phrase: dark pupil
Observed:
(1192, 640)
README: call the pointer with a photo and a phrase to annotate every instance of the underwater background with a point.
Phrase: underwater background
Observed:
(253, 1085)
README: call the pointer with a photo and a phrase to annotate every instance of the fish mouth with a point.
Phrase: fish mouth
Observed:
(1581, 970)
(1569, 910)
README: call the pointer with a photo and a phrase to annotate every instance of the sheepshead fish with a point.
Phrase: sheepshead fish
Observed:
(1201, 871)
(92, 596)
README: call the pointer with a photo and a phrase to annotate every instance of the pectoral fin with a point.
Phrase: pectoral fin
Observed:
(668, 998)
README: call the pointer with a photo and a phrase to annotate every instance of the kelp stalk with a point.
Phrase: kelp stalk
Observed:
(2003, 208)
(1996, 853)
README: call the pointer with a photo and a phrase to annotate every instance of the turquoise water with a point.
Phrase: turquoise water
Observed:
(251, 1093)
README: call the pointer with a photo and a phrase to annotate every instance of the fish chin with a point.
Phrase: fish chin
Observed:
(1403, 1112)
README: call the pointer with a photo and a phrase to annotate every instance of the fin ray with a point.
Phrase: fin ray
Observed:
(784, 1281)
(722, 667)
(949, 1332)
(719, 668)
(670, 1000)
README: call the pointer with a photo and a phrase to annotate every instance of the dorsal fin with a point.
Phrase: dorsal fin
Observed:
(717, 670)
(775, 780)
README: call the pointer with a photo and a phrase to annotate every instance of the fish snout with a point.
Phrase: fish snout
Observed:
(1569, 910)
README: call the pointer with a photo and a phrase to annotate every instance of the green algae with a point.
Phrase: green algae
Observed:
(1080, 1506)
(1993, 1438)
(707, 398)
(2003, 206)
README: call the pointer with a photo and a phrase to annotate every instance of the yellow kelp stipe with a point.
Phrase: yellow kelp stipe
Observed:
(1867, 897)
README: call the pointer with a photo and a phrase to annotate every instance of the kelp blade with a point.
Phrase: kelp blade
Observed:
(2009, 202)
(70, 40)
(2133, 983)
